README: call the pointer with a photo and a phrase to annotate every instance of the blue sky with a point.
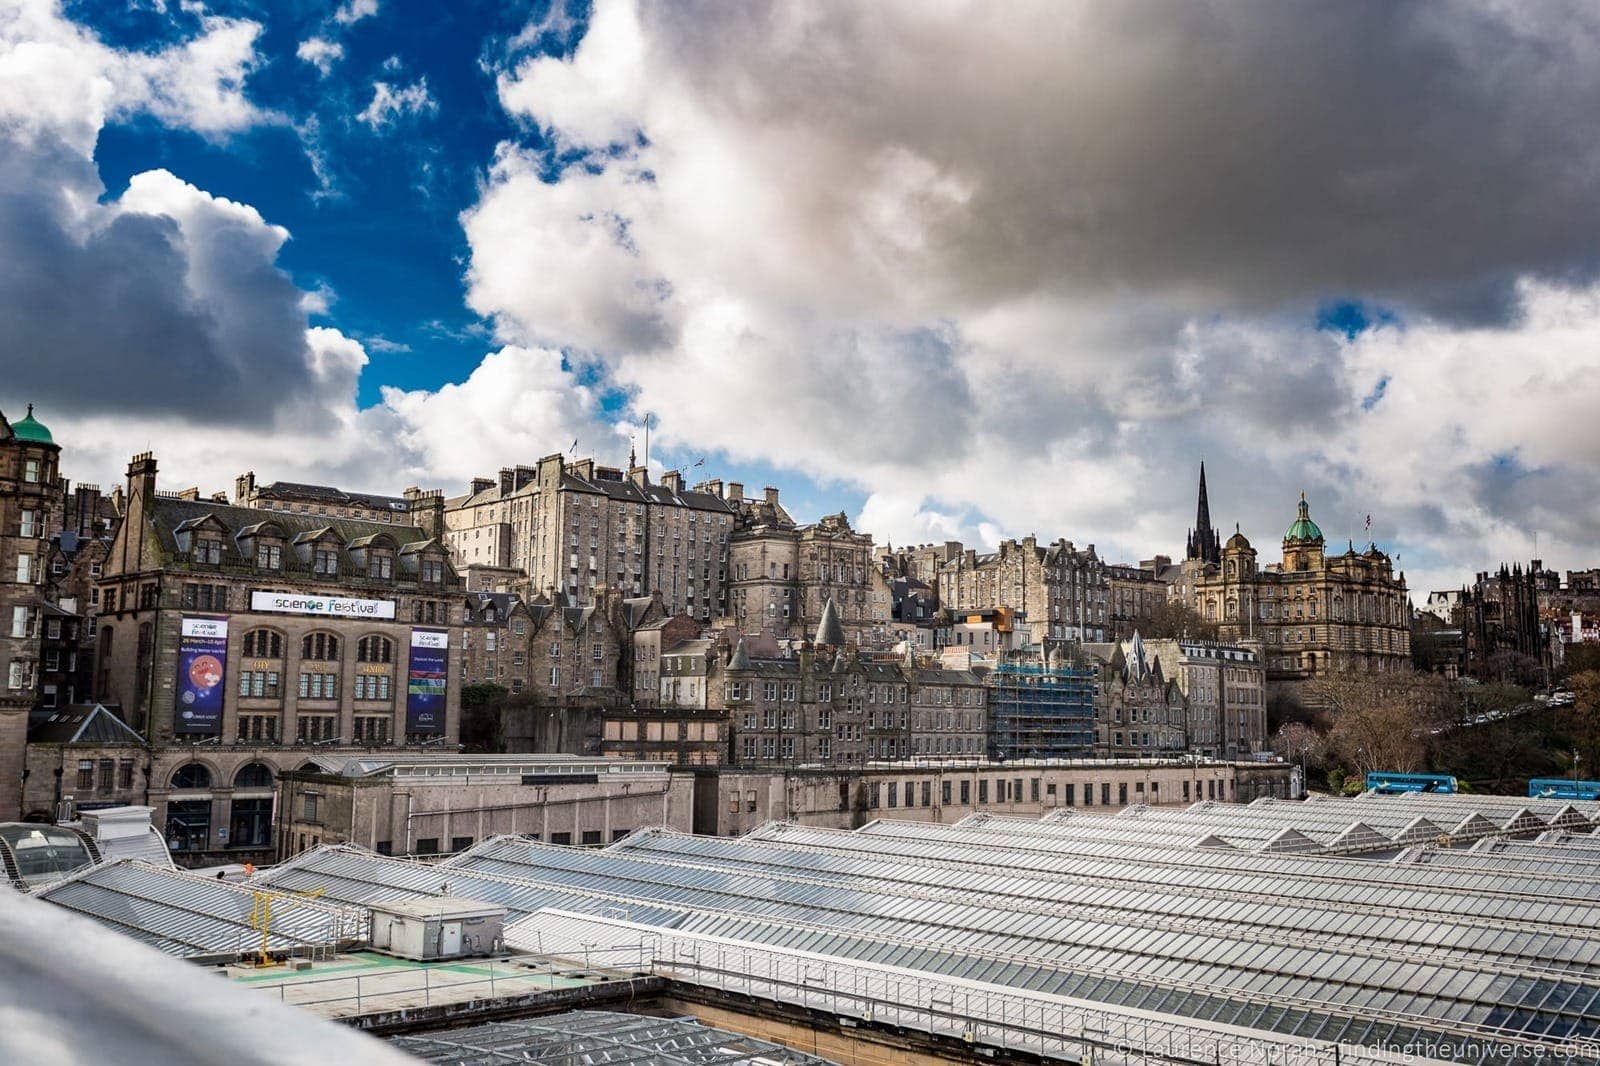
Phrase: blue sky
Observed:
(961, 274)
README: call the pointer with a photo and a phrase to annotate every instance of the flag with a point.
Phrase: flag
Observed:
(698, 462)
(1369, 523)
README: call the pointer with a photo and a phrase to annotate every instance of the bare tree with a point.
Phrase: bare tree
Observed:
(1383, 720)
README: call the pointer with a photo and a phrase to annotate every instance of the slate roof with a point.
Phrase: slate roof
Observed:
(80, 724)
(170, 516)
(294, 490)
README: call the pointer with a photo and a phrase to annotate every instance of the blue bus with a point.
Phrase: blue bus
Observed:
(1563, 788)
(1385, 782)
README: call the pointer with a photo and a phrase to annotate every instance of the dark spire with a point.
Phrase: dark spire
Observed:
(1204, 543)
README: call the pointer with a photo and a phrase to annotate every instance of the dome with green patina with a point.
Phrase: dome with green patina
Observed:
(1303, 529)
(31, 429)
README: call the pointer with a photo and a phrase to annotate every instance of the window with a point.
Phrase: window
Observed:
(30, 471)
(318, 686)
(373, 686)
(19, 621)
(208, 550)
(28, 525)
(260, 684)
(325, 561)
(85, 775)
(258, 728)
(428, 846)
(555, 677)
(372, 729)
(191, 775)
(315, 728)
(269, 556)
(263, 644)
(320, 647)
(374, 650)
(125, 774)
(463, 843)
(250, 823)
(380, 565)
(24, 567)
(432, 571)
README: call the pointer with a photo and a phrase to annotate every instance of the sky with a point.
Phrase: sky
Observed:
(962, 271)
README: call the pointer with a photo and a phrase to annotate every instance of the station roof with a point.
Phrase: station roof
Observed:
(598, 1037)
(1311, 947)
(195, 917)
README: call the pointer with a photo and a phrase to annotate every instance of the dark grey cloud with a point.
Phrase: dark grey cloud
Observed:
(1226, 154)
(109, 311)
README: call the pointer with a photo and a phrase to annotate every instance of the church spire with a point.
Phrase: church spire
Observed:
(1204, 543)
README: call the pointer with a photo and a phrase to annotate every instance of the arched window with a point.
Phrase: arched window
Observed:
(263, 644)
(253, 775)
(191, 775)
(322, 647)
(374, 650)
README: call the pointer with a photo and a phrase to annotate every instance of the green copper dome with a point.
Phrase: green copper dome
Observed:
(1304, 528)
(31, 429)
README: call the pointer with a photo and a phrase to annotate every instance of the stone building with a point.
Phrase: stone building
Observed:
(1505, 635)
(549, 648)
(1312, 613)
(1140, 710)
(1135, 595)
(576, 527)
(944, 793)
(780, 575)
(237, 641)
(1062, 592)
(31, 507)
(427, 804)
(1225, 687)
(322, 501)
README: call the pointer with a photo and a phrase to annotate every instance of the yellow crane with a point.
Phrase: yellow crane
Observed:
(261, 917)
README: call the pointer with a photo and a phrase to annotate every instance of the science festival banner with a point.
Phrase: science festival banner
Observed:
(202, 659)
(425, 680)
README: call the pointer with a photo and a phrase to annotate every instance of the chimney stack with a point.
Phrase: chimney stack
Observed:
(142, 479)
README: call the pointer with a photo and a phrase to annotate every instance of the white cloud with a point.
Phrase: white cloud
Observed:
(1026, 270)
(160, 317)
(320, 53)
(389, 103)
(59, 81)
(353, 11)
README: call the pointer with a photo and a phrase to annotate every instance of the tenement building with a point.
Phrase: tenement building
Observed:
(1139, 707)
(30, 508)
(575, 527)
(780, 576)
(1313, 613)
(323, 501)
(1225, 686)
(236, 640)
(1062, 592)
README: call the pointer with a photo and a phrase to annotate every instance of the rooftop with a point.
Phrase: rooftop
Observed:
(597, 1036)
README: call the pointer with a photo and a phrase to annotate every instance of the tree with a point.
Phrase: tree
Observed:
(1383, 720)
(482, 729)
(1171, 618)
(1581, 722)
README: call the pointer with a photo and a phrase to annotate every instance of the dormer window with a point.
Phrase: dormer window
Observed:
(380, 565)
(325, 561)
(432, 571)
(269, 556)
(208, 550)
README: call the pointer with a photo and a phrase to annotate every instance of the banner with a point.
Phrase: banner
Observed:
(202, 667)
(336, 606)
(425, 680)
